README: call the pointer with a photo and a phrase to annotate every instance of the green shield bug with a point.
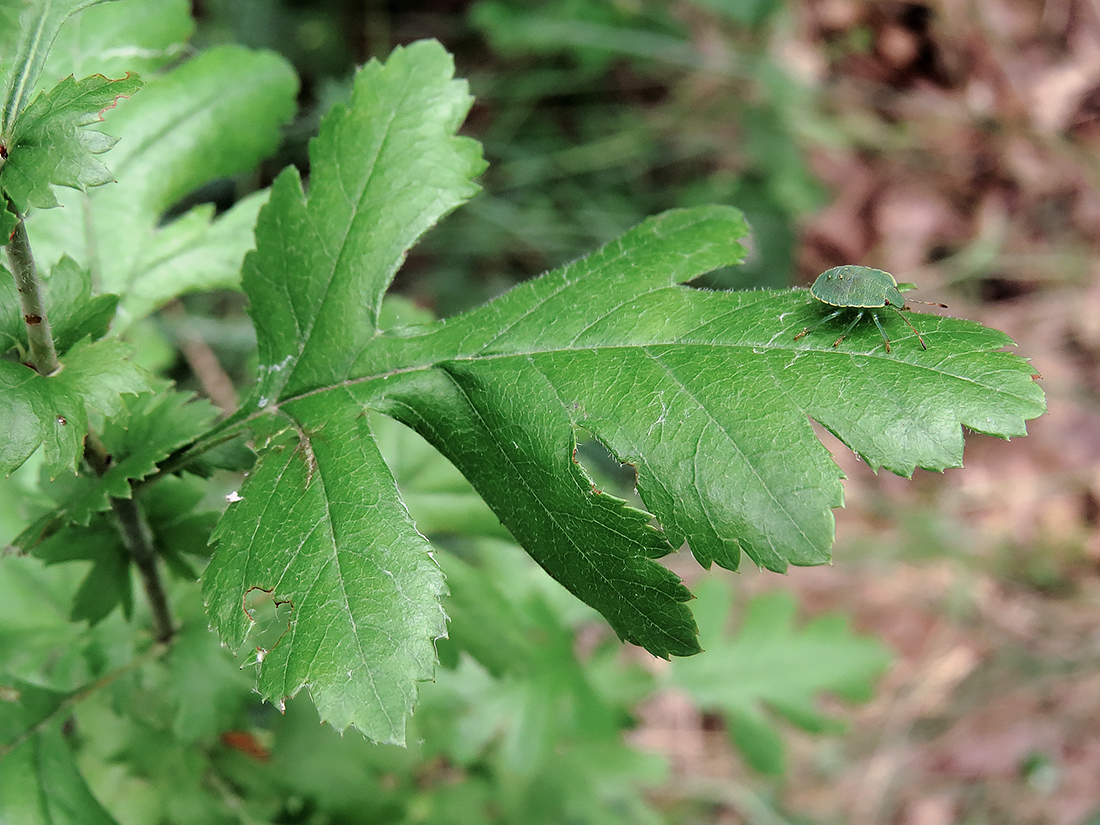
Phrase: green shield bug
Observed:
(864, 290)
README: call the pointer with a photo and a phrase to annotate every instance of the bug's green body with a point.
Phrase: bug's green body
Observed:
(857, 286)
(863, 289)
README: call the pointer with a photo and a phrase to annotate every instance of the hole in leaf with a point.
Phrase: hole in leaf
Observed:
(270, 622)
(606, 471)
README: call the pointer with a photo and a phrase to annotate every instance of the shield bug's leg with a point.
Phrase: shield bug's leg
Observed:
(814, 326)
(922, 344)
(849, 328)
(885, 337)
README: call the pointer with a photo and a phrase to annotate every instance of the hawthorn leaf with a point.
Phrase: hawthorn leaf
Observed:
(181, 525)
(771, 667)
(79, 530)
(546, 719)
(108, 582)
(320, 523)
(521, 461)
(110, 40)
(39, 25)
(181, 132)
(149, 428)
(383, 170)
(544, 707)
(145, 430)
(67, 292)
(52, 411)
(707, 394)
(79, 313)
(48, 143)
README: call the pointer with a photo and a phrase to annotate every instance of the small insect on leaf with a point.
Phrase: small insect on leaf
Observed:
(865, 291)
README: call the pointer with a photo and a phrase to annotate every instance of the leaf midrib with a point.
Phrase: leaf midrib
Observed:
(338, 260)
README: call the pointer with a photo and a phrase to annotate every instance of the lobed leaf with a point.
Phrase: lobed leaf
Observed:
(27, 32)
(320, 524)
(108, 582)
(48, 143)
(519, 458)
(146, 429)
(67, 292)
(39, 24)
(384, 170)
(709, 395)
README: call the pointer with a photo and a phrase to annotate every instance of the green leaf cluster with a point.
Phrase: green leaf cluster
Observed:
(106, 258)
(516, 727)
(708, 396)
(52, 411)
(42, 137)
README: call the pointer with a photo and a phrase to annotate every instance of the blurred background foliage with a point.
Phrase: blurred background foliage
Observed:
(593, 115)
(954, 143)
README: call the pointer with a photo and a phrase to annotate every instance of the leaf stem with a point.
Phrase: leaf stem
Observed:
(138, 539)
(178, 460)
(70, 701)
(48, 525)
(43, 352)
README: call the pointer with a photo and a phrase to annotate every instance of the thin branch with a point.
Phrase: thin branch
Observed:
(223, 432)
(203, 361)
(139, 541)
(43, 352)
(70, 701)
(133, 527)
